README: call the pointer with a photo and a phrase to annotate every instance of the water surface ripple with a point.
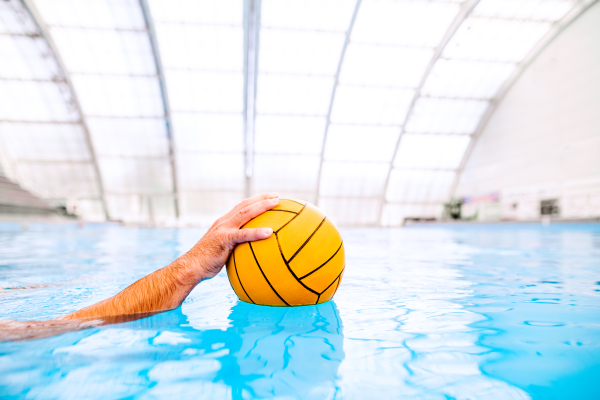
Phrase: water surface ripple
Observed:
(463, 312)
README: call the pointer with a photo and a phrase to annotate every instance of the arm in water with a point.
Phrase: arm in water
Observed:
(166, 288)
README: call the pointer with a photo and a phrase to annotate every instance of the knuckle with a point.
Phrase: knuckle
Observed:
(244, 211)
(243, 234)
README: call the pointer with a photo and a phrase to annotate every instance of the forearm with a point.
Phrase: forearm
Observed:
(164, 289)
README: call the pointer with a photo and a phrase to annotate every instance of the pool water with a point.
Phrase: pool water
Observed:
(438, 312)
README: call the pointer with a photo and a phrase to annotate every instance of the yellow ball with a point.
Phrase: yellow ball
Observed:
(302, 263)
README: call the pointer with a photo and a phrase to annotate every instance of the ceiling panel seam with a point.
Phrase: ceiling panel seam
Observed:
(35, 15)
(332, 99)
(463, 13)
(165, 100)
(556, 30)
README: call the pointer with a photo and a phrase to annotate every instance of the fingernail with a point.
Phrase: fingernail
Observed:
(273, 194)
(274, 201)
(266, 231)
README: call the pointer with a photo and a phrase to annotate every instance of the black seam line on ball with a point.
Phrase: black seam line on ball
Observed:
(307, 240)
(332, 282)
(290, 268)
(287, 211)
(294, 217)
(262, 272)
(340, 278)
(297, 202)
(238, 276)
(318, 298)
(322, 265)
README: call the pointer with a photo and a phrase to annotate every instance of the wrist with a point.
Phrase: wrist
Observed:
(189, 270)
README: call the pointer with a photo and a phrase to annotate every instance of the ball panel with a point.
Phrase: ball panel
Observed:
(235, 280)
(294, 235)
(324, 275)
(290, 205)
(252, 278)
(330, 291)
(271, 219)
(320, 248)
(275, 269)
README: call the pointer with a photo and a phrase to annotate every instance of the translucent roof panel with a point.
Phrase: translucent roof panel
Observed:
(24, 57)
(414, 186)
(384, 65)
(495, 39)
(119, 96)
(106, 49)
(360, 143)
(59, 180)
(285, 173)
(431, 151)
(136, 175)
(293, 94)
(103, 51)
(206, 91)
(467, 79)
(204, 207)
(201, 47)
(197, 171)
(310, 15)
(141, 209)
(36, 101)
(136, 137)
(44, 145)
(353, 179)
(287, 134)
(405, 23)
(370, 105)
(44, 142)
(212, 133)
(15, 20)
(101, 14)
(200, 12)
(299, 52)
(434, 115)
(539, 10)
(202, 51)
(334, 95)
(351, 211)
(299, 49)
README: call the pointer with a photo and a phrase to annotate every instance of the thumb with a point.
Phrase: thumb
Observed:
(250, 235)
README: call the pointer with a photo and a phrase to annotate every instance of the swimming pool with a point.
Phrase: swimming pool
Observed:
(486, 311)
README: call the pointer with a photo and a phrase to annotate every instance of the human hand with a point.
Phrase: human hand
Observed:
(210, 254)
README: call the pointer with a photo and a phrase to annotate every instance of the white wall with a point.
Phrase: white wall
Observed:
(543, 141)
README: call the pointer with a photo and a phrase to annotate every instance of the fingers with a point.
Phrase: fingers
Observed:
(250, 235)
(246, 203)
(247, 213)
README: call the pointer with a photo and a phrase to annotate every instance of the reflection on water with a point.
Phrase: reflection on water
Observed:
(465, 312)
(265, 351)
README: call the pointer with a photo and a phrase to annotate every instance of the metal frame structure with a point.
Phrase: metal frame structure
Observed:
(333, 91)
(462, 15)
(252, 10)
(165, 99)
(556, 30)
(35, 15)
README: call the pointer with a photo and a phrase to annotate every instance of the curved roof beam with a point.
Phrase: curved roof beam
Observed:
(556, 30)
(252, 10)
(165, 98)
(335, 85)
(35, 15)
(464, 12)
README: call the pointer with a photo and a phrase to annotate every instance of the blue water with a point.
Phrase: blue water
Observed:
(464, 312)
